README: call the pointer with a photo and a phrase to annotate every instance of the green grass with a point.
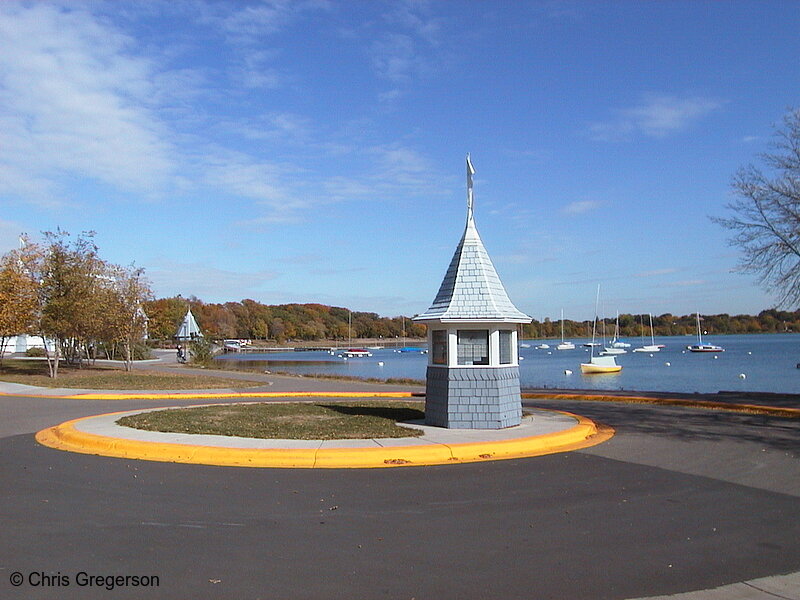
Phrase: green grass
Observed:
(293, 421)
(34, 372)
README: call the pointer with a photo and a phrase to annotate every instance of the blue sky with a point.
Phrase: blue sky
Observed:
(313, 151)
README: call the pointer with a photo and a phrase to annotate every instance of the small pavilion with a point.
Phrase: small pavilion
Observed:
(189, 329)
(472, 379)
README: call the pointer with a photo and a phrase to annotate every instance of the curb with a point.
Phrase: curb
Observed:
(584, 434)
(207, 395)
(187, 395)
(752, 409)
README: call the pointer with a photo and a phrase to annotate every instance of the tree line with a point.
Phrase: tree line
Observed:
(767, 321)
(64, 292)
(253, 320)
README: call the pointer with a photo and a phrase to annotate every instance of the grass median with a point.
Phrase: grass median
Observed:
(34, 372)
(288, 421)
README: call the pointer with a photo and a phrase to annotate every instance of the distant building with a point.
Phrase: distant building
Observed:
(19, 344)
(189, 329)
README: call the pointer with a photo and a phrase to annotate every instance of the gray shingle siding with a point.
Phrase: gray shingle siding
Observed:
(470, 398)
(471, 288)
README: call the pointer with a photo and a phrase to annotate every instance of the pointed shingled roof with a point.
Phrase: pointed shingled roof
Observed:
(471, 289)
(189, 329)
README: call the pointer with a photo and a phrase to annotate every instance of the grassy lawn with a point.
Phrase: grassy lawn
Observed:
(34, 372)
(293, 421)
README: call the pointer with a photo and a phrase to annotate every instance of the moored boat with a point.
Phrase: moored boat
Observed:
(355, 353)
(599, 364)
(700, 346)
(652, 346)
(564, 345)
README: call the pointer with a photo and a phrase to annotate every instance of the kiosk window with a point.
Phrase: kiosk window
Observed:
(505, 348)
(473, 347)
(439, 350)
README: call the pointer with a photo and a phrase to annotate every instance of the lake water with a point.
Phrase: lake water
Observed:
(769, 363)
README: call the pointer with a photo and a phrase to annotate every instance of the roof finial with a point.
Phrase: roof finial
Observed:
(470, 173)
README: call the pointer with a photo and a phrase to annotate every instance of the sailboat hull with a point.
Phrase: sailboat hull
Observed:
(705, 348)
(588, 368)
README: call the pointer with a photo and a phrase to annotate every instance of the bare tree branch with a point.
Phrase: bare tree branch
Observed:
(765, 217)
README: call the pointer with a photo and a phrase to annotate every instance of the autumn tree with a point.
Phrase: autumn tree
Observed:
(765, 217)
(165, 316)
(70, 274)
(126, 291)
(18, 293)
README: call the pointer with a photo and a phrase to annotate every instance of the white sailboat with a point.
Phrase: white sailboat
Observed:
(564, 345)
(700, 346)
(616, 342)
(614, 348)
(352, 352)
(599, 364)
(651, 347)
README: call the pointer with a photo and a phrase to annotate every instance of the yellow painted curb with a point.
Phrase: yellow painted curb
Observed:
(759, 409)
(187, 395)
(66, 437)
(206, 395)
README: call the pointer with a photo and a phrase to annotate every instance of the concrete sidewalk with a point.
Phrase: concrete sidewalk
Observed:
(543, 432)
(781, 587)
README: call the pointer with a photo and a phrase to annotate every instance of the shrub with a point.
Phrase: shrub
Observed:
(141, 351)
(201, 352)
(35, 352)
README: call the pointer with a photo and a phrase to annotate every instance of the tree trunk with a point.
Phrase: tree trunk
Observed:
(52, 361)
(128, 361)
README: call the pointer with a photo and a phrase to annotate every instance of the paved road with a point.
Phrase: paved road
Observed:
(678, 500)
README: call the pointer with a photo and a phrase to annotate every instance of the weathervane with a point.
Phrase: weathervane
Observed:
(470, 173)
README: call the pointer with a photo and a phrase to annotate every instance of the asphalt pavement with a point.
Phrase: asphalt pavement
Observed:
(680, 500)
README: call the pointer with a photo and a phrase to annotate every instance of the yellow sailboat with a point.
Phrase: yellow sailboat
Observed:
(599, 364)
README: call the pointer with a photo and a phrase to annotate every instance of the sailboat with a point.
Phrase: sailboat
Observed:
(616, 347)
(651, 347)
(617, 342)
(405, 348)
(564, 345)
(352, 352)
(700, 346)
(599, 364)
(588, 335)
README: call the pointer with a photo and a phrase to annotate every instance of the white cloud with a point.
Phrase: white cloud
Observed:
(415, 17)
(280, 196)
(656, 272)
(657, 115)
(407, 50)
(686, 283)
(394, 56)
(249, 22)
(80, 104)
(580, 207)
(75, 102)
(389, 96)
(170, 278)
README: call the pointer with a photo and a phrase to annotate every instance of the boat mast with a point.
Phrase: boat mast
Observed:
(699, 332)
(594, 323)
